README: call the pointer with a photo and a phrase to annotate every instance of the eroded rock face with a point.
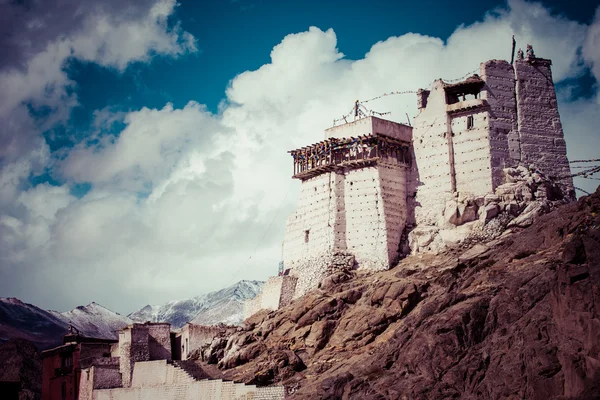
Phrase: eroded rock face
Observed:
(516, 318)
(526, 195)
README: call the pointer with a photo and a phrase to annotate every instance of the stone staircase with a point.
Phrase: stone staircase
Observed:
(184, 380)
(192, 369)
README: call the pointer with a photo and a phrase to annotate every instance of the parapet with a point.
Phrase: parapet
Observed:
(370, 126)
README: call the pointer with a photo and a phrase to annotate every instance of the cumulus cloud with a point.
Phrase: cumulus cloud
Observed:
(183, 201)
(112, 34)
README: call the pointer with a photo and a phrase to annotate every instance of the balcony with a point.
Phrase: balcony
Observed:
(354, 152)
(466, 105)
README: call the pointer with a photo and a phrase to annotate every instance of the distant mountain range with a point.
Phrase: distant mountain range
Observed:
(46, 328)
(225, 305)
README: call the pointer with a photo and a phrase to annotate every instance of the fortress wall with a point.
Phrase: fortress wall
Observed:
(309, 230)
(542, 140)
(158, 380)
(499, 92)
(472, 153)
(365, 219)
(313, 232)
(393, 179)
(432, 158)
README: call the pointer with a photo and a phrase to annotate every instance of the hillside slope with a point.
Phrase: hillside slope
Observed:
(516, 318)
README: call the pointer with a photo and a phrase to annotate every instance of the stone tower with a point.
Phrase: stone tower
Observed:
(467, 133)
(352, 206)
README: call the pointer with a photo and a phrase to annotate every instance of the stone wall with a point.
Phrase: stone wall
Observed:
(101, 376)
(540, 129)
(271, 293)
(277, 292)
(159, 341)
(252, 306)
(313, 231)
(195, 337)
(143, 342)
(158, 380)
(471, 147)
(432, 156)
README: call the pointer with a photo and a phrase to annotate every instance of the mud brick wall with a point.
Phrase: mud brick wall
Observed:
(432, 156)
(472, 153)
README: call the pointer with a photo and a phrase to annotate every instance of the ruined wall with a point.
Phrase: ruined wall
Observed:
(540, 129)
(432, 156)
(472, 152)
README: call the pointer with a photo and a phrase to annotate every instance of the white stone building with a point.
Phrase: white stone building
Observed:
(141, 366)
(442, 179)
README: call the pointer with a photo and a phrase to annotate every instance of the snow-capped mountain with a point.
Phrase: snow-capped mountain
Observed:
(225, 305)
(95, 320)
(46, 328)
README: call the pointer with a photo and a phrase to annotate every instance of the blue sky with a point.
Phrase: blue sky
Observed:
(143, 143)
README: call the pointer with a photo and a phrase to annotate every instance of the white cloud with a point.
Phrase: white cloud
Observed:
(112, 36)
(591, 47)
(213, 185)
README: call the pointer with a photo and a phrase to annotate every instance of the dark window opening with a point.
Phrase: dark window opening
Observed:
(306, 233)
(63, 389)
(67, 361)
(470, 122)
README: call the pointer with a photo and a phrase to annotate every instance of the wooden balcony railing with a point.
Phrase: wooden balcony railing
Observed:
(332, 154)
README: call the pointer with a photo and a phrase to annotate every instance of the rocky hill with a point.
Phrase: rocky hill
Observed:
(517, 317)
(221, 306)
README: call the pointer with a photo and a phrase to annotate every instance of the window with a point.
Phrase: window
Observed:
(187, 347)
(63, 389)
(67, 361)
(306, 236)
(470, 122)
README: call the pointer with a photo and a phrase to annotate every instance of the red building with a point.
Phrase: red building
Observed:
(62, 365)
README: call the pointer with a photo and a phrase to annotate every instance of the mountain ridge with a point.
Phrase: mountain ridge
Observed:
(205, 309)
(45, 328)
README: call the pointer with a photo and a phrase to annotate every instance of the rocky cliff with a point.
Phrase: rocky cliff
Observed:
(517, 317)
